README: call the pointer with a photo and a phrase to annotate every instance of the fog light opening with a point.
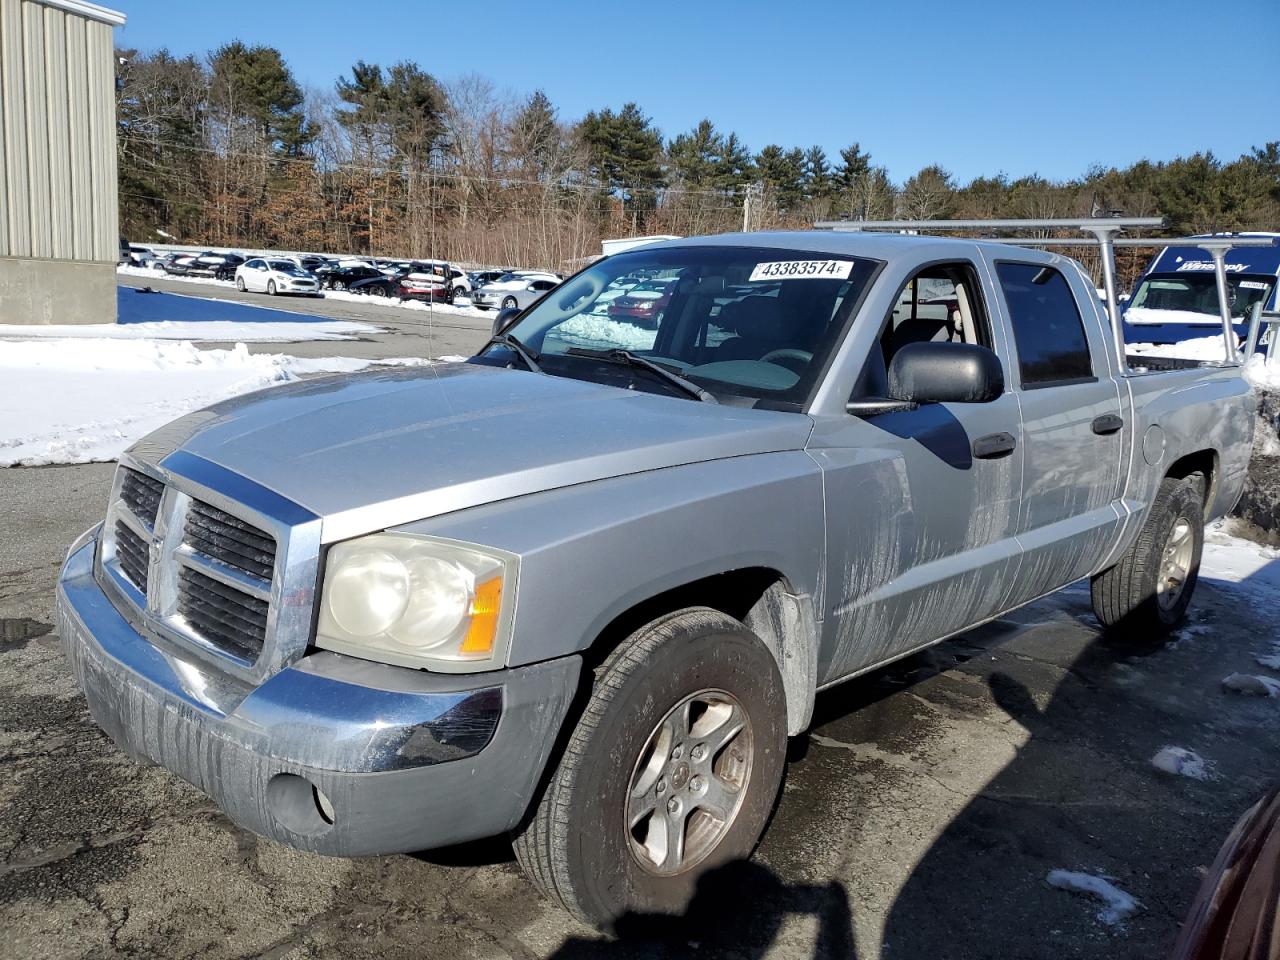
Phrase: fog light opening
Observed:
(299, 805)
(323, 804)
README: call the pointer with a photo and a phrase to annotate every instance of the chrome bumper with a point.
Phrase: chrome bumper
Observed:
(333, 754)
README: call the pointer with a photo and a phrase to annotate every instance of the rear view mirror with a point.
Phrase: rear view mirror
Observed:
(945, 373)
(505, 316)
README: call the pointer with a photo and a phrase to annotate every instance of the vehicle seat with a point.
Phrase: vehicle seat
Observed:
(759, 324)
(923, 329)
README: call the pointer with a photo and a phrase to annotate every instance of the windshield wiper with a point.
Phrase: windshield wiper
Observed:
(626, 357)
(518, 348)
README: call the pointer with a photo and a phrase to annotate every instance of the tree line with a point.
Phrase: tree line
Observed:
(230, 150)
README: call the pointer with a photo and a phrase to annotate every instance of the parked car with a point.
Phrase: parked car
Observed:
(275, 275)
(479, 278)
(220, 265)
(514, 290)
(459, 281)
(582, 589)
(1176, 298)
(643, 303)
(341, 277)
(139, 256)
(309, 262)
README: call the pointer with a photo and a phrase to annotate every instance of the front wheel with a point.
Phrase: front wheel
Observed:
(1148, 590)
(672, 771)
(509, 302)
(271, 288)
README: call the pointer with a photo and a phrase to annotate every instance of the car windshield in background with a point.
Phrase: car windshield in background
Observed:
(755, 324)
(1198, 293)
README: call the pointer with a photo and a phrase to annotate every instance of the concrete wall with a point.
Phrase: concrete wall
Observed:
(59, 237)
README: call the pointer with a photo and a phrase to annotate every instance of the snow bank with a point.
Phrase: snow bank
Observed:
(80, 400)
(1182, 762)
(1251, 685)
(1117, 905)
(1251, 566)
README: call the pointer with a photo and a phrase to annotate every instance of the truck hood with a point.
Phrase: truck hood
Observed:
(372, 450)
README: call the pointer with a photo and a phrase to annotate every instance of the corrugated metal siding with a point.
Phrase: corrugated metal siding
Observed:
(57, 122)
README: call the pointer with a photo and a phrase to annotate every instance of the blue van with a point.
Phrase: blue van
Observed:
(1177, 296)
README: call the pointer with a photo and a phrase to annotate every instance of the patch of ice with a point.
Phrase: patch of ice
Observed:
(1117, 905)
(82, 400)
(451, 358)
(1183, 763)
(1252, 685)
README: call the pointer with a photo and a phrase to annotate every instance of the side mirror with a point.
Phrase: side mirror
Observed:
(945, 373)
(505, 316)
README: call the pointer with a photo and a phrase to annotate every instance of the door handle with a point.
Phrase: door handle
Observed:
(1107, 423)
(994, 445)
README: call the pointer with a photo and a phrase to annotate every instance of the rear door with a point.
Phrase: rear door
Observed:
(1072, 422)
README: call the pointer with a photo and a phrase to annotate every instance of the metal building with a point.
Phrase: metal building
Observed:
(59, 236)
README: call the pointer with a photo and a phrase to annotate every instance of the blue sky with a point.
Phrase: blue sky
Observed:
(980, 87)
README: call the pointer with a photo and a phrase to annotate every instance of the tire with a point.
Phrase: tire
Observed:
(578, 847)
(509, 302)
(1143, 597)
(271, 288)
(378, 291)
(240, 284)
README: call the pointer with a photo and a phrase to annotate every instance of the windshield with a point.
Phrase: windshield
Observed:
(751, 323)
(1196, 293)
(285, 266)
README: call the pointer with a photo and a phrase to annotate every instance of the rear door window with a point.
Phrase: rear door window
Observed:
(1047, 329)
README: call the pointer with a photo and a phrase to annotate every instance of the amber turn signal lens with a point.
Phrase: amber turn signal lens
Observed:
(484, 618)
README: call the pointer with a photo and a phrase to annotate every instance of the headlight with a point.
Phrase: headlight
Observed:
(417, 601)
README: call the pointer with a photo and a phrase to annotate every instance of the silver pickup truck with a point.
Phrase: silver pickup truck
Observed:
(582, 587)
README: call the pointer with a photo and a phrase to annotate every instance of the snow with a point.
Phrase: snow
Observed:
(1182, 762)
(1117, 905)
(1252, 685)
(199, 330)
(1258, 371)
(1249, 566)
(1151, 315)
(596, 331)
(87, 399)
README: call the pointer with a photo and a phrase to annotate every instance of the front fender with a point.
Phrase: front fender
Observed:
(590, 552)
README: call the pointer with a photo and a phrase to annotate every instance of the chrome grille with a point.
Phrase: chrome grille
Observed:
(200, 557)
(132, 554)
(141, 494)
(227, 617)
(217, 534)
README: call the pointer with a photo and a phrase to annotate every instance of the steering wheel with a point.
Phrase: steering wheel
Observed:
(799, 358)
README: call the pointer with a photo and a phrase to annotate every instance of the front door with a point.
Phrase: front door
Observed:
(922, 505)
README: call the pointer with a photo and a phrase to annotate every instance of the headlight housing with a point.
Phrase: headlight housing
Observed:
(418, 601)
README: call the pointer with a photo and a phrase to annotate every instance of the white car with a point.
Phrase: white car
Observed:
(273, 276)
(514, 290)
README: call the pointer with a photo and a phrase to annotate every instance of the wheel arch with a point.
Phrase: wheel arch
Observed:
(765, 601)
(1203, 462)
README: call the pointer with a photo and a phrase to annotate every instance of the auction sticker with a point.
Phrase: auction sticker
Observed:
(802, 270)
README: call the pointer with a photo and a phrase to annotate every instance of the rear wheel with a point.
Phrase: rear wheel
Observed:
(672, 771)
(1148, 591)
(378, 291)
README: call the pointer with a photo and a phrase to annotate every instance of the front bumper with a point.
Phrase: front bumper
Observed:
(333, 754)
